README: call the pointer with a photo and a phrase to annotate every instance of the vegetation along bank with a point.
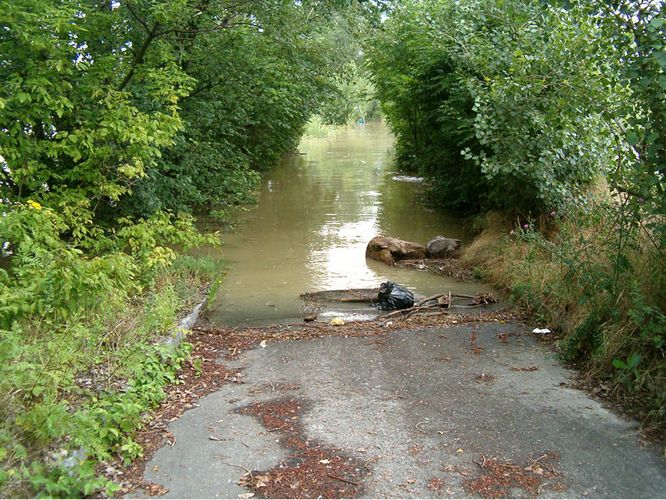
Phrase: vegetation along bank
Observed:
(121, 120)
(549, 117)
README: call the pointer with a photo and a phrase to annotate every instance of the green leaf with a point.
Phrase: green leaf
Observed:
(632, 138)
(633, 360)
(619, 364)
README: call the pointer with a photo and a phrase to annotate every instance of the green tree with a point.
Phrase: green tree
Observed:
(117, 121)
(492, 100)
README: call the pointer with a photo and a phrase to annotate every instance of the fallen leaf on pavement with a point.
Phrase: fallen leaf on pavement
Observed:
(156, 490)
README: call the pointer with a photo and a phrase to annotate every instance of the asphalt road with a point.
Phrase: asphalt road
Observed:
(423, 410)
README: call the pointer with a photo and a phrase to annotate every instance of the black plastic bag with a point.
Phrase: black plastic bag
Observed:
(393, 296)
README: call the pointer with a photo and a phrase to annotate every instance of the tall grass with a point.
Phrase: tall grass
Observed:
(598, 278)
(315, 128)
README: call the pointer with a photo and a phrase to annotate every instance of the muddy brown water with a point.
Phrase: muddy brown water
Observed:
(317, 211)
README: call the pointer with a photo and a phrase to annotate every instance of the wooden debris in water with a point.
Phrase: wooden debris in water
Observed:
(439, 304)
(369, 295)
(347, 295)
(481, 299)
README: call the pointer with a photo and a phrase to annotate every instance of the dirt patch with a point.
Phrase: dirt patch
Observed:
(312, 470)
(500, 479)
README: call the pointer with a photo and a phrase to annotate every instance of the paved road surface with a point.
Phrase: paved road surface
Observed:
(417, 406)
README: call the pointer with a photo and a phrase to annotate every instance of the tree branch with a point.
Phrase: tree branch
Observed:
(138, 58)
(138, 19)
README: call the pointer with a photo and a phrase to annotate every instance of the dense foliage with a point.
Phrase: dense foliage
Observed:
(552, 113)
(121, 119)
(350, 94)
(504, 104)
(135, 106)
(352, 97)
(118, 121)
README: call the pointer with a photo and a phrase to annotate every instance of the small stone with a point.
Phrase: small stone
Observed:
(442, 247)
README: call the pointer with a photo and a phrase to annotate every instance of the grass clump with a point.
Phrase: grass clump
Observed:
(316, 128)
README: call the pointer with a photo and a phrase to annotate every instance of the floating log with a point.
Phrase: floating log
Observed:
(347, 295)
(446, 298)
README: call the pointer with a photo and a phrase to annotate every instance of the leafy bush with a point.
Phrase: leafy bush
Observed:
(74, 391)
(492, 100)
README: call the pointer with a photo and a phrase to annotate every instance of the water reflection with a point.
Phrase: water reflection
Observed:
(316, 213)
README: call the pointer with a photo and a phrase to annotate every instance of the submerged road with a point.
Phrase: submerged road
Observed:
(460, 411)
(479, 409)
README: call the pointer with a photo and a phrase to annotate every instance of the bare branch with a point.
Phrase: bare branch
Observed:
(138, 58)
(138, 19)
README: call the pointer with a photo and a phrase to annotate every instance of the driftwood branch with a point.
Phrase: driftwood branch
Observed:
(440, 295)
(428, 299)
(409, 311)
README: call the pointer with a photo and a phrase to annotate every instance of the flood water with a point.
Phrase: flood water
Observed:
(316, 213)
